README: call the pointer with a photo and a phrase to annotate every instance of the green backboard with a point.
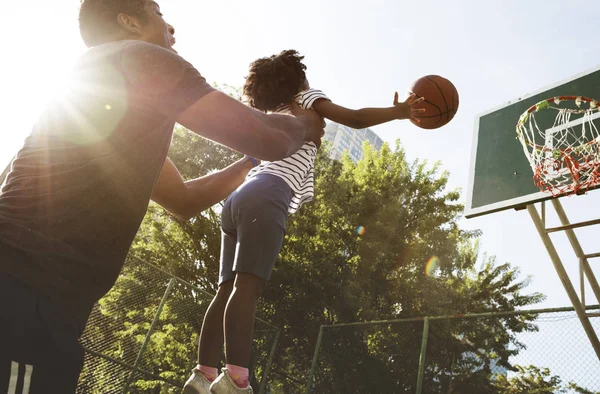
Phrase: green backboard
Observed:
(500, 176)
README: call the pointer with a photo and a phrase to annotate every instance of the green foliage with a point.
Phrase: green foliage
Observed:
(328, 274)
(530, 380)
(187, 249)
(534, 380)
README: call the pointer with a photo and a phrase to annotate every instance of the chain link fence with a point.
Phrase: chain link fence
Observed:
(542, 351)
(142, 336)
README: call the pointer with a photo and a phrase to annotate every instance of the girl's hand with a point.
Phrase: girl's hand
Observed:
(409, 108)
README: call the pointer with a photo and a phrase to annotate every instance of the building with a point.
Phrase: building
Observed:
(344, 138)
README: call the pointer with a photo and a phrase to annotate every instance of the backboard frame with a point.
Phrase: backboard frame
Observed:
(522, 201)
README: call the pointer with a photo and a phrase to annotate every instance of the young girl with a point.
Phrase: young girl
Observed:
(254, 218)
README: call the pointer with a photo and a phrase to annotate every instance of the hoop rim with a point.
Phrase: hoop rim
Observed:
(574, 159)
(545, 104)
(563, 150)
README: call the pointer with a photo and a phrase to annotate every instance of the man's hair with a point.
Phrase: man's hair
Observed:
(274, 80)
(98, 18)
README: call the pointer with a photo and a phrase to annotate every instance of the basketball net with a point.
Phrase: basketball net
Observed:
(569, 160)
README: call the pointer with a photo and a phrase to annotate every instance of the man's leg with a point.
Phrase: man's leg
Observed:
(39, 349)
(54, 372)
(59, 373)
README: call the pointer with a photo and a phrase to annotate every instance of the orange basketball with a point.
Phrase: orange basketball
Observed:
(441, 101)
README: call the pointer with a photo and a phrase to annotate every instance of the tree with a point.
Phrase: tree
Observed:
(328, 274)
(531, 380)
(535, 380)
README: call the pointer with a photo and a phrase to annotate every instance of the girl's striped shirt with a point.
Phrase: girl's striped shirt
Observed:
(296, 170)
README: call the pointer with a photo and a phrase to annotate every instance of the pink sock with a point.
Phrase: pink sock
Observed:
(209, 373)
(238, 374)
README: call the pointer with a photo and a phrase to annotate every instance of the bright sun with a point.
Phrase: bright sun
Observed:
(42, 57)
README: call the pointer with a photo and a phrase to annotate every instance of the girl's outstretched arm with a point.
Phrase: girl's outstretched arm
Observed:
(367, 117)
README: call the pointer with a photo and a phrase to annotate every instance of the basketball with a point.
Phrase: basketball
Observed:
(441, 101)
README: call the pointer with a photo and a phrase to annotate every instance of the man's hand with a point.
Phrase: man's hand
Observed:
(187, 199)
(254, 162)
(408, 109)
(314, 123)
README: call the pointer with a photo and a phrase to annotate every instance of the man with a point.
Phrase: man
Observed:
(79, 188)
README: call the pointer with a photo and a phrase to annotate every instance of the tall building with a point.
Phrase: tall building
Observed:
(344, 138)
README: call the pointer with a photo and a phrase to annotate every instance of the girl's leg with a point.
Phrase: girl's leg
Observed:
(260, 216)
(239, 318)
(211, 336)
(210, 347)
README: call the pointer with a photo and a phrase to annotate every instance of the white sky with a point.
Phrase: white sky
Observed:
(359, 53)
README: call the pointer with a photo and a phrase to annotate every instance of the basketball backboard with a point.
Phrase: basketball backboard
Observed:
(500, 175)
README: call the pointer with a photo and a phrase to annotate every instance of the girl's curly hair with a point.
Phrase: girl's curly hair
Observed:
(275, 80)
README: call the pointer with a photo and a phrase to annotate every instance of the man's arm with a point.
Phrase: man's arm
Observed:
(225, 120)
(187, 199)
(171, 86)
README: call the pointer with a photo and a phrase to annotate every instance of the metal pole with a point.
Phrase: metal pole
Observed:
(578, 250)
(263, 382)
(582, 280)
(314, 361)
(543, 204)
(564, 277)
(422, 356)
(572, 226)
(462, 316)
(149, 334)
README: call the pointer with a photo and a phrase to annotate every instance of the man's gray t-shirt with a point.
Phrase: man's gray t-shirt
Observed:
(80, 186)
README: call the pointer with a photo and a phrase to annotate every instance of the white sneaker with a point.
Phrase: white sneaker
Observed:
(197, 384)
(223, 384)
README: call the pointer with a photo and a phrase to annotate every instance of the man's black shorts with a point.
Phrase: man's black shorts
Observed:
(39, 348)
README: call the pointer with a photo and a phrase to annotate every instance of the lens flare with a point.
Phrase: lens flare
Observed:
(360, 230)
(432, 265)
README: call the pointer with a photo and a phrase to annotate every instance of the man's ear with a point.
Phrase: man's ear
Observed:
(129, 23)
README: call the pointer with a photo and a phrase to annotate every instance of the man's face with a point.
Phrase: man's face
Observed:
(157, 31)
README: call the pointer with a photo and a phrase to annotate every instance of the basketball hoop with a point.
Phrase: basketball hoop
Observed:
(568, 160)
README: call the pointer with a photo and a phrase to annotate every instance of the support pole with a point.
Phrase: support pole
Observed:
(313, 367)
(582, 280)
(422, 356)
(564, 278)
(573, 226)
(264, 380)
(543, 204)
(578, 250)
(149, 335)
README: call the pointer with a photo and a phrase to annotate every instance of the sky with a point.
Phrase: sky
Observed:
(358, 53)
